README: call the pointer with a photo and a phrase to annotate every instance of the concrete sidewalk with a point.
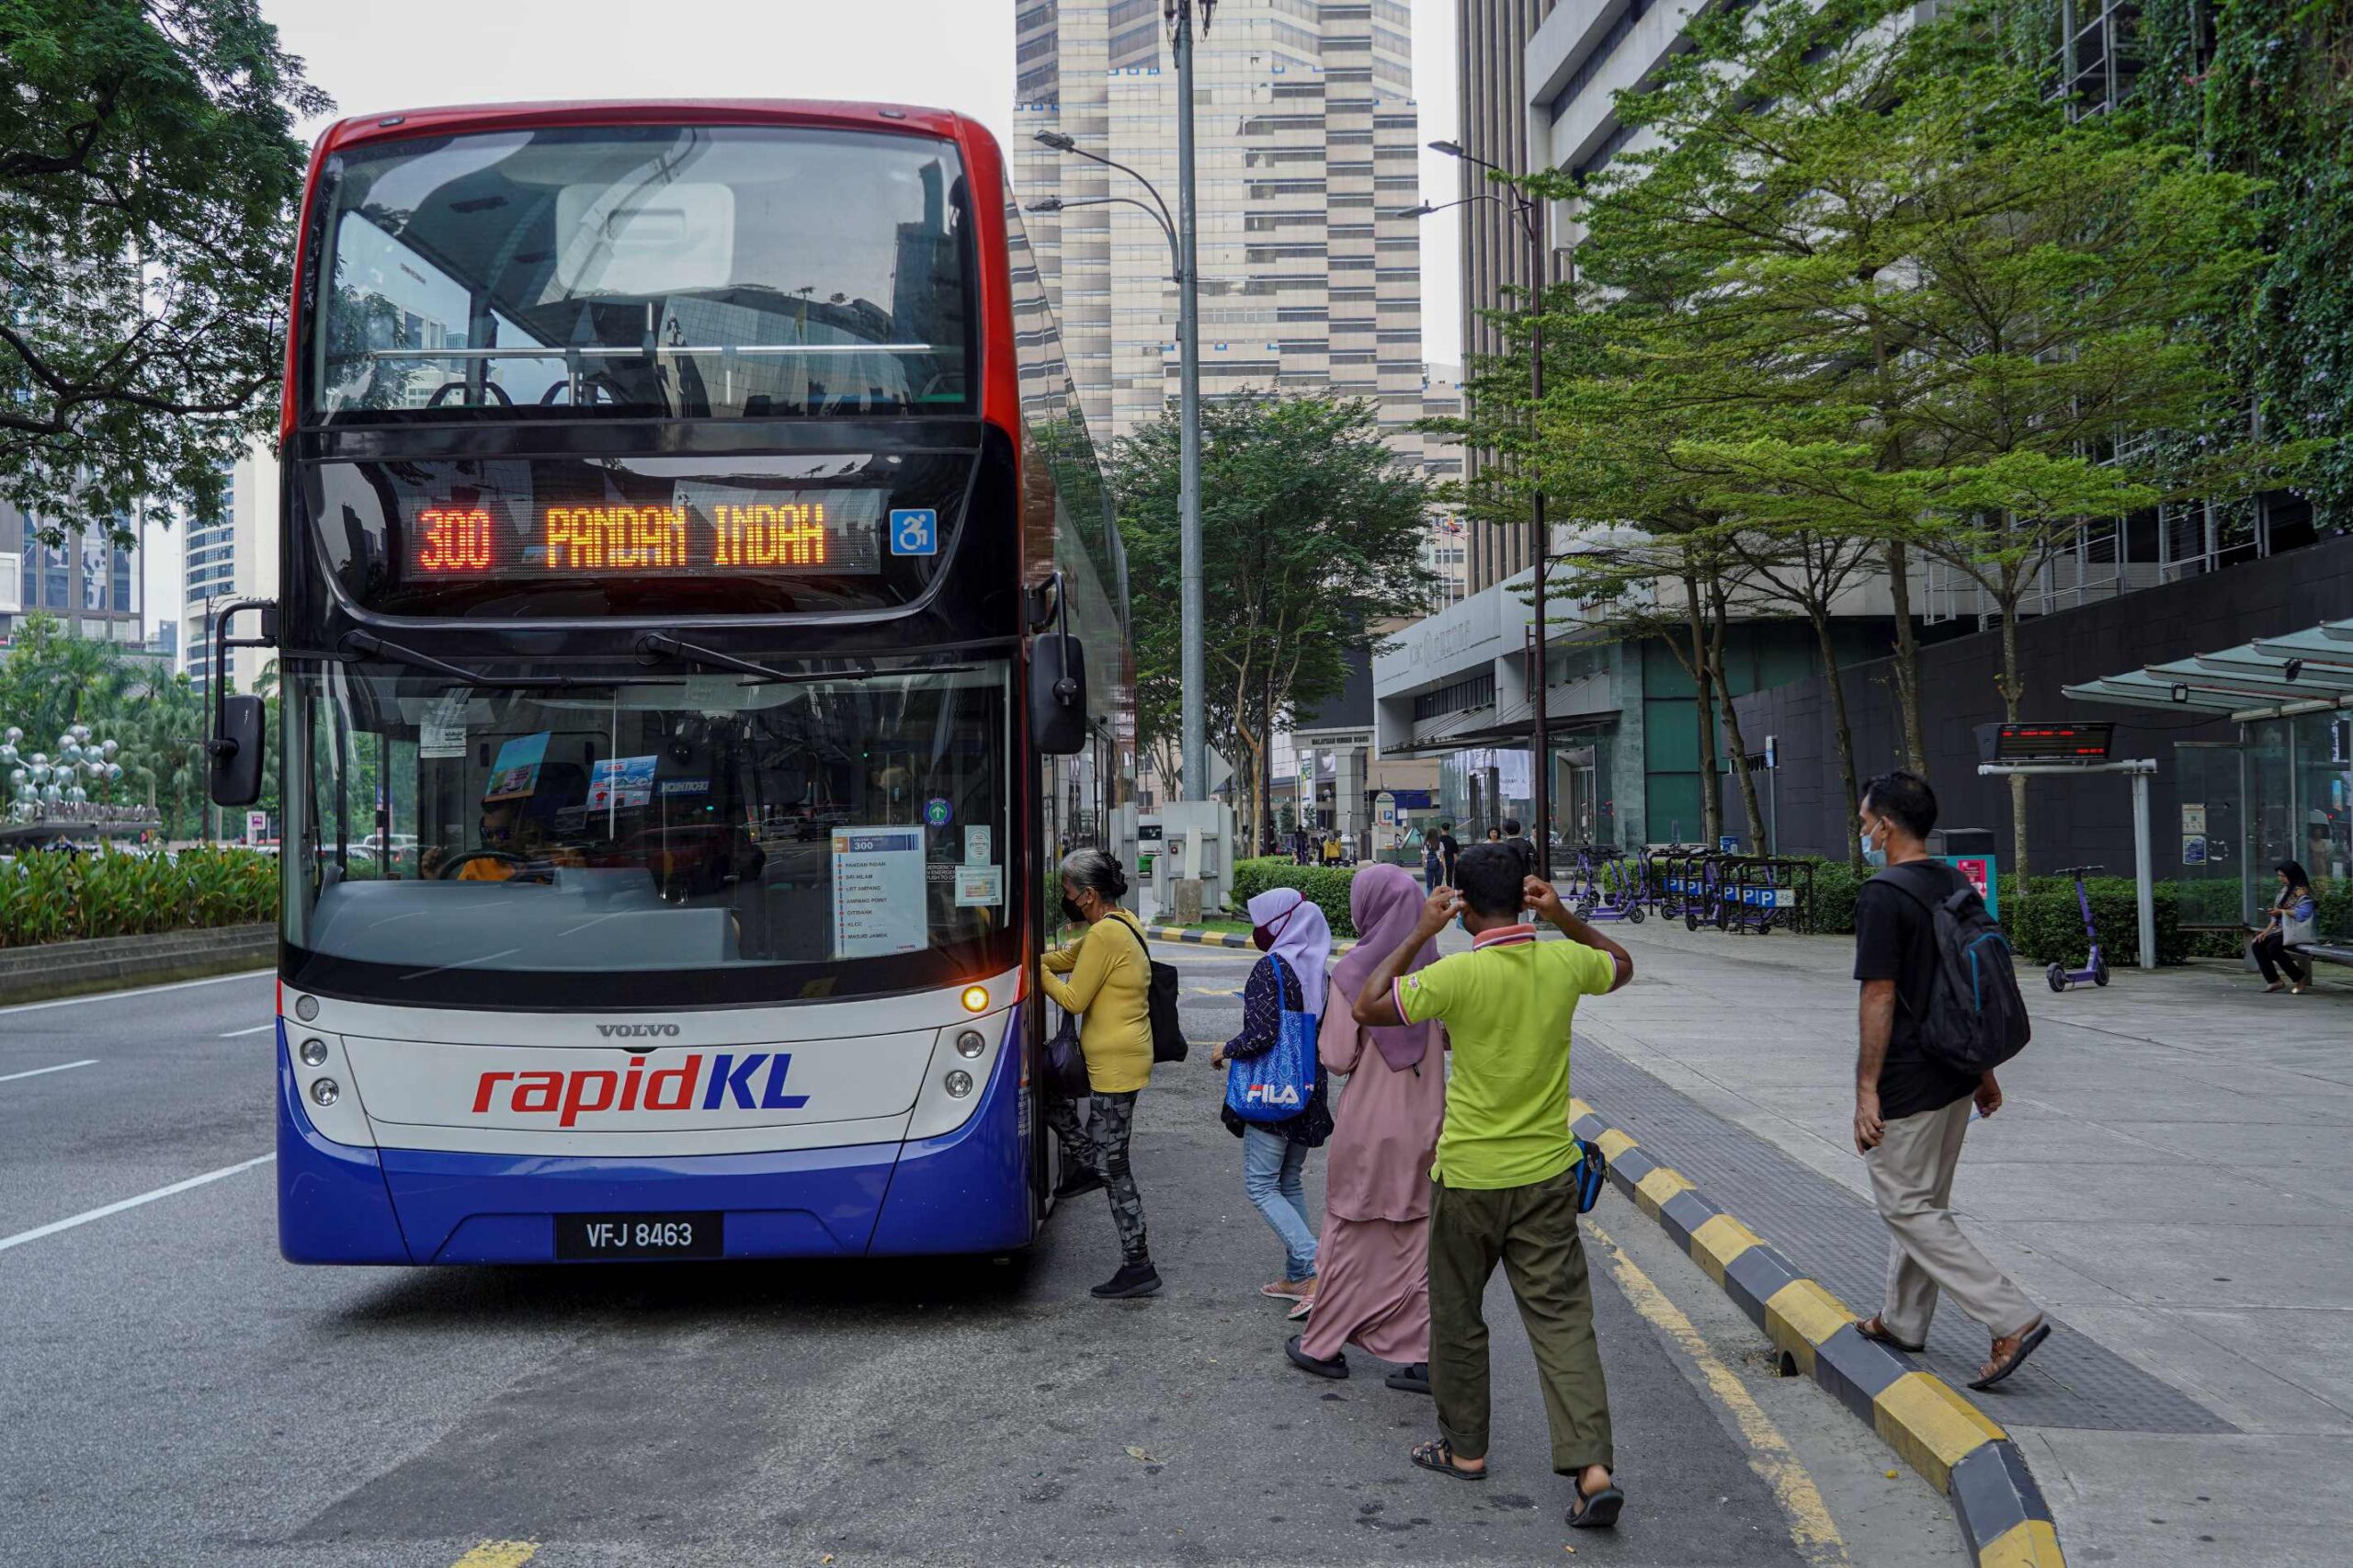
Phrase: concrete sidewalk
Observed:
(2172, 1177)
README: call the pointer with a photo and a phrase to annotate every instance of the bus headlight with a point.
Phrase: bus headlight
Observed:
(315, 1054)
(958, 1082)
(968, 1045)
(306, 1007)
(325, 1092)
(976, 998)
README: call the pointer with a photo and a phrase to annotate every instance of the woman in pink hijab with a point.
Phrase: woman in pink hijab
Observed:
(1373, 1261)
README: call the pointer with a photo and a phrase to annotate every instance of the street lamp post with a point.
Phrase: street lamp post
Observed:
(1185, 262)
(1532, 217)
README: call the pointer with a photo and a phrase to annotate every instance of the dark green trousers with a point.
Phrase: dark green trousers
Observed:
(1533, 1230)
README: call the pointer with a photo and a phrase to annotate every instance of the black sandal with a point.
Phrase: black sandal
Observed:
(1438, 1454)
(1337, 1366)
(1882, 1337)
(1598, 1510)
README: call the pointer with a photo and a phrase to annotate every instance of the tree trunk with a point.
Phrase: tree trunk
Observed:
(2011, 693)
(1736, 744)
(1907, 659)
(1703, 704)
(1846, 727)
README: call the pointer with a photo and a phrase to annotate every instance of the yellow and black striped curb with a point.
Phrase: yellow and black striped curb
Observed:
(1956, 1447)
(1191, 934)
(1220, 939)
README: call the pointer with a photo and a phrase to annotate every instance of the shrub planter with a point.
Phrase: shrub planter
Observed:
(111, 963)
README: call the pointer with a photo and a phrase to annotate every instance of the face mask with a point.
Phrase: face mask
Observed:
(1071, 912)
(1871, 856)
(1261, 937)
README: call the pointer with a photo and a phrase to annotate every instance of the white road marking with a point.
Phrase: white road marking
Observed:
(38, 1232)
(37, 1071)
(269, 973)
(234, 1034)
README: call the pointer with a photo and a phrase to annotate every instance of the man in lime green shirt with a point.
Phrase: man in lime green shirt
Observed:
(1504, 1187)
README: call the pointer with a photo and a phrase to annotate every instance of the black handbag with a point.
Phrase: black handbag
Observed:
(1065, 1073)
(1168, 1043)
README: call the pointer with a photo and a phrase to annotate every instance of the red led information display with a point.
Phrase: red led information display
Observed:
(705, 530)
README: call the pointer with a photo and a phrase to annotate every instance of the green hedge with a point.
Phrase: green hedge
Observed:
(1327, 885)
(47, 897)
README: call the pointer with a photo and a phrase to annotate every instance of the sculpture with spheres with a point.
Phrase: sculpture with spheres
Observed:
(43, 788)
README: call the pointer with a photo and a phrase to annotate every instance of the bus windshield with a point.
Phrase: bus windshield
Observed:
(665, 839)
(646, 272)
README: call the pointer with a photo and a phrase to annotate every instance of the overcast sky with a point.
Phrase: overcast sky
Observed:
(948, 53)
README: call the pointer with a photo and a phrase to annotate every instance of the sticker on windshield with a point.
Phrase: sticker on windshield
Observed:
(619, 783)
(980, 887)
(878, 891)
(517, 771)
(976, 846)
(442, 731)
(937, 810)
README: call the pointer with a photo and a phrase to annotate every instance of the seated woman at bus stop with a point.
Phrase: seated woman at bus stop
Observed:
(1109, 978)
(2294, 906)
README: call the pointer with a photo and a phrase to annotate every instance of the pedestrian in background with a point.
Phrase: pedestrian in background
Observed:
(1437, 867)
(1109, 980)
(1292, 931)
(2291, 922)
(1504, 1185)
(1519, 844)
(1372, 1272)
(1911, 1107)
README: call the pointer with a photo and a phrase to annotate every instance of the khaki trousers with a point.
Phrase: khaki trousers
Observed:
(1912, 1182)
(1532, 1231)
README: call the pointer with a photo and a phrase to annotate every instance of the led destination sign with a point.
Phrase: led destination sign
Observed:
(705, 530)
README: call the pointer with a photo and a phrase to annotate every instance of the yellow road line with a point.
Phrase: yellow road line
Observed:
(1812, 1530)
(499, 1554)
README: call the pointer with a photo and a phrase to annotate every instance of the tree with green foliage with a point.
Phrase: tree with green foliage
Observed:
(148, 182)
(1890, 296)
(1311, 534)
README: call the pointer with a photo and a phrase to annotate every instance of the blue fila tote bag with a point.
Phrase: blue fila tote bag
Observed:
(1276, 1085)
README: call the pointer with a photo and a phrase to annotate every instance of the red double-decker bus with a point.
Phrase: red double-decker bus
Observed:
(694, 564)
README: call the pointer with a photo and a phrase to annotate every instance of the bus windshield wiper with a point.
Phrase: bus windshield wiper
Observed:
(369, 643)
(662, 642)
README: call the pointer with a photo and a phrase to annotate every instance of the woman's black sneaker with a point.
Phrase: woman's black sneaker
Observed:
(1133, 1279)
(1077, 1183)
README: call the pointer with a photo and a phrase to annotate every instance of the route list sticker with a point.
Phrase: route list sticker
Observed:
(878, 891)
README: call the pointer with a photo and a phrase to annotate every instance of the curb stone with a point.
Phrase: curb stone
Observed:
(1222, 939)
(1954, 1446)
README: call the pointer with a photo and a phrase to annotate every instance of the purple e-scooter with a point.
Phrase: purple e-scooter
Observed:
(2095, 969)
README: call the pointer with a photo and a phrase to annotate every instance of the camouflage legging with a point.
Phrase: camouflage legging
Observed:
(1101, 1146)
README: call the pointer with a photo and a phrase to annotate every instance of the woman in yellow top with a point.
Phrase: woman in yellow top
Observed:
(1108, 976)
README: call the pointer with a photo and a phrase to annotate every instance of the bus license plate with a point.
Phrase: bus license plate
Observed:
(638, 1235)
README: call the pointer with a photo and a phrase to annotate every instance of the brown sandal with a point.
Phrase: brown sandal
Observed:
(2022, 1346)
(1870, 1328)
(1438, 1454)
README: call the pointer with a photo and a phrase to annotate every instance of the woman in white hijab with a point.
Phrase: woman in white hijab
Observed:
(1292, 931)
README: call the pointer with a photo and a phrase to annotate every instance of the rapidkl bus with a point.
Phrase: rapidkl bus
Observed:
(693, 549)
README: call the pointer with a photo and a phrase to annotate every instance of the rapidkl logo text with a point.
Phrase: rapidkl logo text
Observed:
(568, 1097)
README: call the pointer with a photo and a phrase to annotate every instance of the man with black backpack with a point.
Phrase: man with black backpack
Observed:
(1940, 1009)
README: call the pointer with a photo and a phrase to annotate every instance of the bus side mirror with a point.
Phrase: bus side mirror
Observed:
(237, 752)
(1058, 696)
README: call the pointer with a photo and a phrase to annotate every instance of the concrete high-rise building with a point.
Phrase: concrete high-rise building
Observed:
(1490, 41)
(1307, 143)
(233, 559)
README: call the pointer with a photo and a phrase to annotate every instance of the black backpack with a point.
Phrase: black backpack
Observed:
(1977, 1019)
(1168, 1043)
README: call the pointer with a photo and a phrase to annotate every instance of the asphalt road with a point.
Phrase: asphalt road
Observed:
(172, 1392)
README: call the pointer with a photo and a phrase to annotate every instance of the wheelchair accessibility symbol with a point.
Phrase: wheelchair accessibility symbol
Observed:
(914, 531)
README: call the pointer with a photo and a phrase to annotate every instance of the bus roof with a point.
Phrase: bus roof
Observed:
(451, 118)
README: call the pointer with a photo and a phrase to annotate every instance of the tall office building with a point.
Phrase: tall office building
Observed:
(235, 558)
(85, 580)
(1490, 41)
(1307, 143)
